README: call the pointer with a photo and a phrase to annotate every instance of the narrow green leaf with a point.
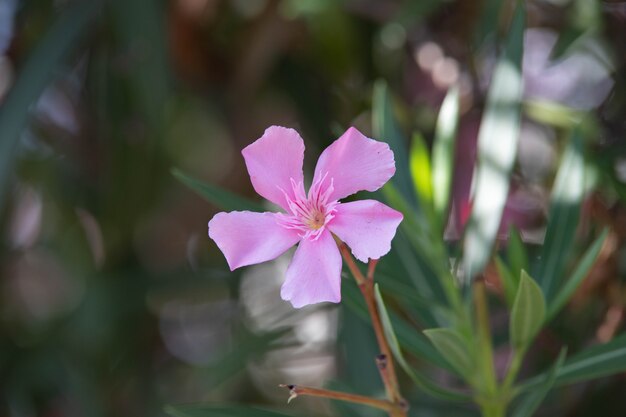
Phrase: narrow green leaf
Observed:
(509, 283)
(386, 129)
(531, 401)
(497, 147)
(420, 380)
(419, 161)
(453, 348)
(595, 362)
(516, 252)
(412, 341)
(210, 410)
(579, 274)
(443, 152)
(567, 195)
(35, 75)
(528, 313)
(221, 198)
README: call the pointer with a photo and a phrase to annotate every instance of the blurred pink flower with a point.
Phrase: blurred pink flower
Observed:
(350, 164)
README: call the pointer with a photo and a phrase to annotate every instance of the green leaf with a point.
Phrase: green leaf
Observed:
(516, 252)
(35, 75)
(386, 129)
(412, 341)
(443, 152)
(221, 198)
(567, 195)
(597, 361)
(453, 348)
(497, 147)
(531, 401)
(419, 161)
(420, 380)
(509, 283)
(579, 274)
(209, 410)
(528, 313)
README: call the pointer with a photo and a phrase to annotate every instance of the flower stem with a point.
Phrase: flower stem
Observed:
(385, 360)
(297, 390)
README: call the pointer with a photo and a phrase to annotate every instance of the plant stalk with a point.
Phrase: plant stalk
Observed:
(385, 360)
(297, 390)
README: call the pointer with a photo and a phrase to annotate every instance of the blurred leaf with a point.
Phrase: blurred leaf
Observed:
(552, 113)
(600, 360)
(235, 360)
(207, 410)
(386, 129)
(443, 152)
(579, 274)
(141, 25)
(532, 400)
(420, 380)
(35, 76)
(597, 361)
(488, 23)
(419, 161)
(516, 252)
(410, 11)
(453, 348)
(424, 256)
(497, 147)
(410, 339)
(509, 282)
(215, 195)
(528, 313)
(567, 195)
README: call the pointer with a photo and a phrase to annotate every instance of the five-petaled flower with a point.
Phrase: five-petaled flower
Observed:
(352, 163)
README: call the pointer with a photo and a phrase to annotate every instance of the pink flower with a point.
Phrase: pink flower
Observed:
(352, 163)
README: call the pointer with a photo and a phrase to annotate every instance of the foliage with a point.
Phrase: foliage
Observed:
(114, 302)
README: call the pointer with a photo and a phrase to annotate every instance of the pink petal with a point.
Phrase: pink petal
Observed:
(247, 238)
(273, 161)
(355, 163)
(367, 226)
(314, 274)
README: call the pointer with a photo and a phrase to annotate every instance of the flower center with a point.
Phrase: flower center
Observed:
(317, 220)
(309, 214)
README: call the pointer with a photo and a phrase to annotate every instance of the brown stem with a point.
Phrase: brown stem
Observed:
(385, 359)
(297, 390)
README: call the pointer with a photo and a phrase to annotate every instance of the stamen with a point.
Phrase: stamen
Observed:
(309, 215)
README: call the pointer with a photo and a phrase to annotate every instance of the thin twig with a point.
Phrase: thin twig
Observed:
(297, 390)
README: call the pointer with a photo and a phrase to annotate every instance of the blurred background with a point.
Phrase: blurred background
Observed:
(114, 302)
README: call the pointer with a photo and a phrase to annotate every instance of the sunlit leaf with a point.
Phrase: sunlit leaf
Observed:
(443, 152)
(567, 195)
(528, 312)
(497, 147)
(221, 198)
(419, 161)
